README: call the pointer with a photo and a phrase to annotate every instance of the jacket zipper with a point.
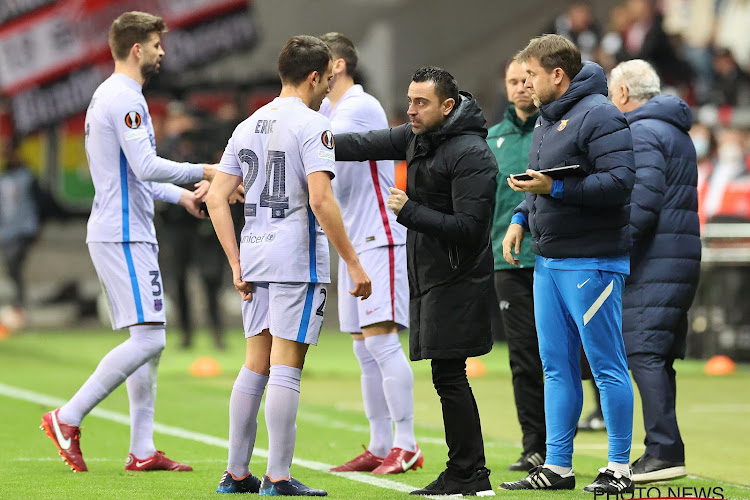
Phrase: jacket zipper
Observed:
(455, 261)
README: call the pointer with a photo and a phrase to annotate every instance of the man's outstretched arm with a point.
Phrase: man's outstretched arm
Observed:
(385, 144)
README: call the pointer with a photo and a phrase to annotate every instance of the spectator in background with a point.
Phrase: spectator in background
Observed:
(664, 260)
(693, 22)
(704, 142)
(579, 228)
(19, 220)
(578, 25)
(187, 237)
(731, 83)
(725, 193)
(645, 39)
(510, 141)
(612, 41)
(732, 30)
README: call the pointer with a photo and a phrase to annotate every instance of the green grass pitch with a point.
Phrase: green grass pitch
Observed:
(713, 413)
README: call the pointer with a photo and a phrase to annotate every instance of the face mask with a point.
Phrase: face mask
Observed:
(701, 146)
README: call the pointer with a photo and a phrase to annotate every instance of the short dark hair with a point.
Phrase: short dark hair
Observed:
(131, 28)
(342, 48)
(302, 55)
(445, 85)
(553, 51)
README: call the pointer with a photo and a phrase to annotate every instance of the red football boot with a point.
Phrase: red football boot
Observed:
(67, 438)
(157, 461)
(365, 462)
(399, 461)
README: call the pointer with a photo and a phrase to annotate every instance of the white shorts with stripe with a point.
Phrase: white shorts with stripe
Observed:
(292, 311)
(131, 281)
(386, 267)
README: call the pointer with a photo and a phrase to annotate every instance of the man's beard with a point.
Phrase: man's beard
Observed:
(529, 108)
(149, 70)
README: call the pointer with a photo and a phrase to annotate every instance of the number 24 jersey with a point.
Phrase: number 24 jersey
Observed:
(273, 151)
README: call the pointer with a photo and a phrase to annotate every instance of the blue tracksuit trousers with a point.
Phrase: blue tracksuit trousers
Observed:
(574, 307)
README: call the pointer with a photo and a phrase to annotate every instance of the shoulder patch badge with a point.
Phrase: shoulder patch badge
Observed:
(133, 119)
(327, 139)
(563, 124)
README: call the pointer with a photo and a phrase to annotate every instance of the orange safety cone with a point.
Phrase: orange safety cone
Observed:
(719, 365)
(4, 332)
(205, 367)
(475, 368)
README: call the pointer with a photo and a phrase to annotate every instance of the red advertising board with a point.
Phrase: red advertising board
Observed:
(51, 42)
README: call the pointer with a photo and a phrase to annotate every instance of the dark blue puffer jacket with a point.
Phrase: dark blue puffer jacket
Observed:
(666, 253)
(582, 128)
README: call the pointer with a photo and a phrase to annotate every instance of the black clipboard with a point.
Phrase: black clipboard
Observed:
(556, 173)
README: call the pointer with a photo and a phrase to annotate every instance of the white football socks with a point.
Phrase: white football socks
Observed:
(623, 469)
(145, 342)
(282, 401)
(398, 386)
(376, 406)
(141, 387)
(243, 419)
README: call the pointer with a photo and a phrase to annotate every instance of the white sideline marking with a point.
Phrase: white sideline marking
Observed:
(120, 418)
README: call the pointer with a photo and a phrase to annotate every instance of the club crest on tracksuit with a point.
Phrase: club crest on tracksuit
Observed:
(563, 124)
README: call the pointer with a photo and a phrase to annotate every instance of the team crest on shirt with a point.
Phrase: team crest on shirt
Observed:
(133, 119)
(327, 139)
(158, 305)
(563, 124)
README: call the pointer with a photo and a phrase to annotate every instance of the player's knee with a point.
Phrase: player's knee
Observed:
(152, 338)
(383, 347)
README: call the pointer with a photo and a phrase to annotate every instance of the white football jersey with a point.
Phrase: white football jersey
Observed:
(274, 151)
(361, 188)
(126, 172)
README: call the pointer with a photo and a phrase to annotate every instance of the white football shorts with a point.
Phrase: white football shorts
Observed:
(292, 311)
(386, 267)
(131, 281)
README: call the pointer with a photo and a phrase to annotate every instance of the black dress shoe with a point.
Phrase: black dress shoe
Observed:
(649, 468)
(478, 484)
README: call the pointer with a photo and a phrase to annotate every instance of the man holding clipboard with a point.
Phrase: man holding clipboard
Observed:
(579, 230)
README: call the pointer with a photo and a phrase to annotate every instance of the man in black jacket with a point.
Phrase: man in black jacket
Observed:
(447, 210)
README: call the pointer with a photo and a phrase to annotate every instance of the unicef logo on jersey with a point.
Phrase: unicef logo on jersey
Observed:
(252, 239)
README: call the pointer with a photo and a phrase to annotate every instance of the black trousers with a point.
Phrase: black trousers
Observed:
(15, 252)
(655, 377)
(514, 289)
(187, 249)
(463, 430)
